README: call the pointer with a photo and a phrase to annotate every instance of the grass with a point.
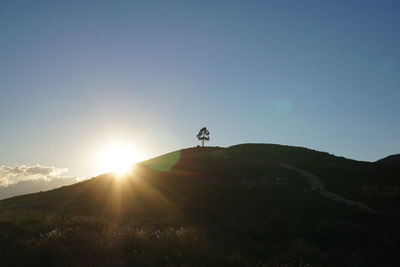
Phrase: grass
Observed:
(214, 207)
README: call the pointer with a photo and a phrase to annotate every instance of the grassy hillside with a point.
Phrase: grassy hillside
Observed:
(393, 160)
(237, 206)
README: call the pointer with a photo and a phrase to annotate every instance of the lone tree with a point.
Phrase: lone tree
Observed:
(203, 135)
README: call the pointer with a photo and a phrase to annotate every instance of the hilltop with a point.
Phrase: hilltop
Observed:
(249, 204)
(391, 160)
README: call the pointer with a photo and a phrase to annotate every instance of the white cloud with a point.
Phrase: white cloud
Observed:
(29, 179)
(12, 175)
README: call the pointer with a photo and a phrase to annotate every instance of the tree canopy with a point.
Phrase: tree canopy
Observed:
(203, 135)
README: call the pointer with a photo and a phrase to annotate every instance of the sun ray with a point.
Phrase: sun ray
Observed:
(118, 158)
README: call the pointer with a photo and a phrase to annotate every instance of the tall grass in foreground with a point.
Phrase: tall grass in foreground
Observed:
(67, 240)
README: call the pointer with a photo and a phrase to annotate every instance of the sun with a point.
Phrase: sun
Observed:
(118, 158)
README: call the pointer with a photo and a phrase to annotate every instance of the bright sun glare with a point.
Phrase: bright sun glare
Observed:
(118, 158)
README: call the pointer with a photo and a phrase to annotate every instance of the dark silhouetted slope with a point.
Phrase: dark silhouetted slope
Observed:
(243, 205)
(391, 160)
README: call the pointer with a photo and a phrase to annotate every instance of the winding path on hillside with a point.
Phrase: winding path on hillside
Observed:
(318, 186)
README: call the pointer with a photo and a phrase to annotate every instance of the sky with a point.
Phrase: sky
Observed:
(77, 75)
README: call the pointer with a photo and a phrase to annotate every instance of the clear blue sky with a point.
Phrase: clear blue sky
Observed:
(318, 74)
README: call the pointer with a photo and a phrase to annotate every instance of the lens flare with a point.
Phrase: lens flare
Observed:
(118, 158)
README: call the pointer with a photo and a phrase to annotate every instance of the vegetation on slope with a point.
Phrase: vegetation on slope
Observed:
(206, 207)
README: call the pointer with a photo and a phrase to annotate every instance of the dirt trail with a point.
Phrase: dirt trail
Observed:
(318, 186)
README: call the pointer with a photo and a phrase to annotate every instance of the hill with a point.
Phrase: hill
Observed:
(391, 160)
(251, 204)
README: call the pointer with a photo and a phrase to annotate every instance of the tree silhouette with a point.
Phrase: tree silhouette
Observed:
(203, 135)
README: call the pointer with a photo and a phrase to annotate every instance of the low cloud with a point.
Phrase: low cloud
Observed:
(29, 179)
